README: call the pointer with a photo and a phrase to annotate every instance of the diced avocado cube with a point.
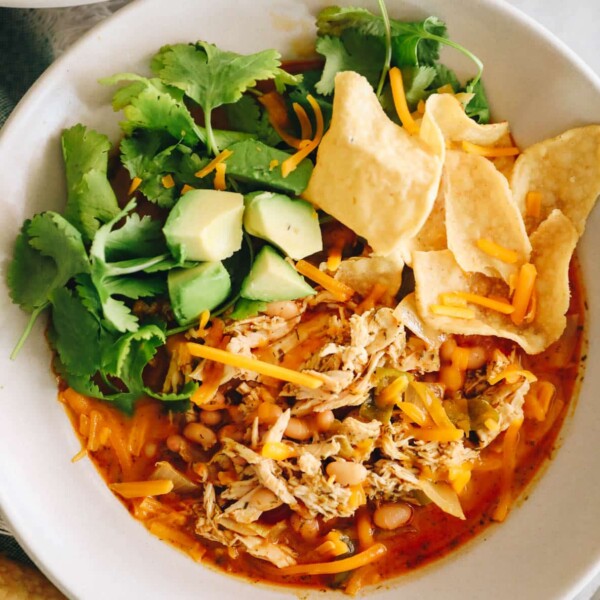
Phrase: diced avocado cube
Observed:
(291, 225)
(194, 290)
(205, 225)
(272, 279)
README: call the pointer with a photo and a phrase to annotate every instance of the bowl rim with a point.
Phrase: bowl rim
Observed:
(28, 103)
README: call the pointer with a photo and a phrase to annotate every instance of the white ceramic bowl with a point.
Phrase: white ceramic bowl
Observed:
(64, 515)
(45, 3)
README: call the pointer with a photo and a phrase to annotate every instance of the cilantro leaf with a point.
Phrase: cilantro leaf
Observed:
(213, 77)
(282, 79)
(150, 104)
(76, 334)
(48, 252)
(445, 76)
(114, 278)
(479, 107)
(91, 200)
(186, 391)
(127, 360)
(248, 115)
(350, 52)
(413, 44)
(416, 82)
(137, 237)
(252, 162)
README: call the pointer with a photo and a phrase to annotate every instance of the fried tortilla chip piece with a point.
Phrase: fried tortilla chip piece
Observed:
(449, 115)
(553, 244)
(363, 272)
(565, 170)
(432, 235)
(479, 205)
(370, 173)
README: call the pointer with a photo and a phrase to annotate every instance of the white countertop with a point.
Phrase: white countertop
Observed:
(576, 23)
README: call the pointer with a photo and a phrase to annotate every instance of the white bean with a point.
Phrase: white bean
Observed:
(200, 434)
(392, 515)
(298, 429)
(347, 473)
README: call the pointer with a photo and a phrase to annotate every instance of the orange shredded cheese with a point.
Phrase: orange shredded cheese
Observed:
(452, 299)
(497, 251)
(341, 291)
(512, 373)
(358, 497)
(186, 188)
(364, 528)
(305, 124)
(509, 459)
(501, 306)
(421, 107)
(392, 392)
(135, 184)
(139, 489)
(333, 545)
(400, 103)
(532, 308)
(446, 89)
(489, 151)
(219, 182)
(168, 181)
(457, 312)
(334, 258)
(533, 204)
(435, 408)
(278, 451)
(523, 291)
(377, 292)
(436, 434)
(278, 117)
(290, 164)
(459, 476)
(252, 364)
(210, 167)
(370, 555)
(79, 455)
(273, 164)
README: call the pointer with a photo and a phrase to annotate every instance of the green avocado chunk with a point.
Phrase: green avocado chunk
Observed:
(272, 279)
(291, 225)
(194, 290)
(205, 225)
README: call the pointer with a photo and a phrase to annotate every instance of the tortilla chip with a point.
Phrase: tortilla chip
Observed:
(565, 170)
(362, 273)
(370, 174)
(479, 205)
(449, 115)
(553, 244)
(408, 314)
(433, 233)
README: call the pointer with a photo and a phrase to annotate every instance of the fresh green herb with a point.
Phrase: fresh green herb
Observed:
(213, 77)
(479, 107)
(90, 198)
(247, 115)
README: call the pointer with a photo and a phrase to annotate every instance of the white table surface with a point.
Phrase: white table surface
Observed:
(576, 23)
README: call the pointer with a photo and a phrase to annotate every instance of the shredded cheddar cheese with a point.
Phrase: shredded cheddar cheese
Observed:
(139, 489)
(340, 290)
(186, 188)
(168, 181)
(305, 124)
(210, 167)
(135, 184)
(533, 205)
(500, 306)
(523, 292)
(490, 151)
(278, 117)
(252, 364)
(219, 182)
(400, 103)
(277, 451)
(290, 164)
(497, 251)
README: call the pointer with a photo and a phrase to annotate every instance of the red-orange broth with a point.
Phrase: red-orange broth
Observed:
(429, 535)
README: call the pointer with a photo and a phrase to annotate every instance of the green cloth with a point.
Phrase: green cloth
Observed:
(25, 54)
